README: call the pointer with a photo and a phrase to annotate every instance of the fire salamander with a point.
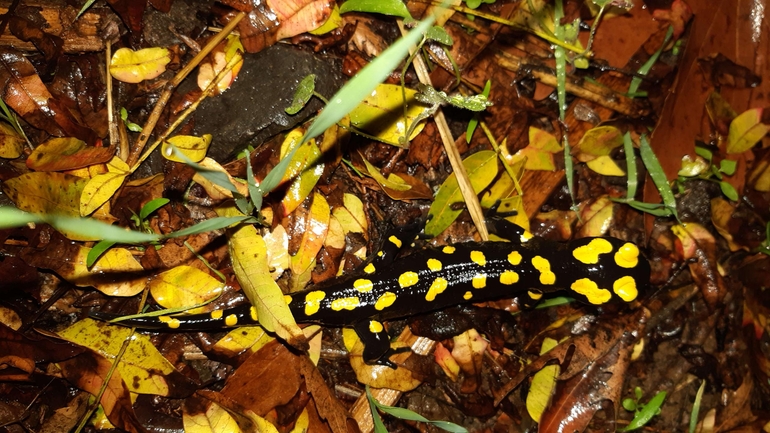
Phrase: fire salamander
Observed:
(594, 270)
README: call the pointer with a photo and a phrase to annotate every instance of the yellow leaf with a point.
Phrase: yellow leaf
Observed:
(277, 242)
(192, 147)
(249, 257)
(352, 216)
(334, 21)
(237, 341)
(145, 369)
(215, 191)
(184, 286)
(745, 131)
(539, 152)
(136, 66)
(11, 144)
(381, 114)
(600, 141)
(213, 419)
(394, 183)
(306, 171)
(605, 166)
(116, 273)
(101, 187)
(543, 384)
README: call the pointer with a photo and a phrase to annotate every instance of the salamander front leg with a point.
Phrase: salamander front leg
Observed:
(376, 341)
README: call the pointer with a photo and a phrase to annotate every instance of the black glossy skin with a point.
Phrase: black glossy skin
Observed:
(456, 269)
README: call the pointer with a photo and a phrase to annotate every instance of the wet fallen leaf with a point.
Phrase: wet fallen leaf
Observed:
(381, 114)
(132, 66)
(543, 384)
(377, 376)
(194, 148)
(698, 246)
(184, 286)
(60, 154)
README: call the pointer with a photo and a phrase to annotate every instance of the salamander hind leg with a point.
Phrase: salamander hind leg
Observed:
(376, 342)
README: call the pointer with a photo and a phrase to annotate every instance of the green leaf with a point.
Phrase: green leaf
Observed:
(438, 34)
(475, 120)
(97, 251)
(394, 8)
(629, 404)
(209, 225)
(99, 230)
(651, 208)
(408, 415)
(696, 407)
(151, 207)
(216, 177)
(646, 413)
(482, 170)
(632, 183)
(303, 94)
(728, 166)
(729, 191)
(746, 130)
(704, 153)
(658, 175)
(645, 69)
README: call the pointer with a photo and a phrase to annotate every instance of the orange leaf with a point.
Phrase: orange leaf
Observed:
(59, 154)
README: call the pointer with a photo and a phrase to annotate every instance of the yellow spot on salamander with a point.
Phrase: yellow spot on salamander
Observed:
(385, 300)
(363, 285)
(627, 256)
(395, 241)
(479, 281)
(591, 291)
(625, 288)
(509, 277)
(590, 252)
(526, 236)
(408, 279)
(231, 320)
(345, 303)
(547, 277)
(313, 302)
(375, 327)
(253, 314)
(436, 288)
(369, 269)
(434, 265)
(535, 296)
(478, 258)
(216, 314)
(171, 322)
(467, 296)
(514, 258)
(380, 253)
(448, 250)
(287, 299)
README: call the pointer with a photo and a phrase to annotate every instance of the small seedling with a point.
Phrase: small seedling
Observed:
(703, 167)
(643, 411)
(133, 127)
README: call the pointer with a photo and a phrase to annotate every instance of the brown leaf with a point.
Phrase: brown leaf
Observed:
(27, 24)
(327, 404)
(130, 12)
(88, 372)
(268, 378)
(24, 92)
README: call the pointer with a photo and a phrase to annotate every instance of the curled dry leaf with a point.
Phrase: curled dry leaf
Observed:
(132, 66)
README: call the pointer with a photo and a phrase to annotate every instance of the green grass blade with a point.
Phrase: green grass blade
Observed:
(658, 175)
